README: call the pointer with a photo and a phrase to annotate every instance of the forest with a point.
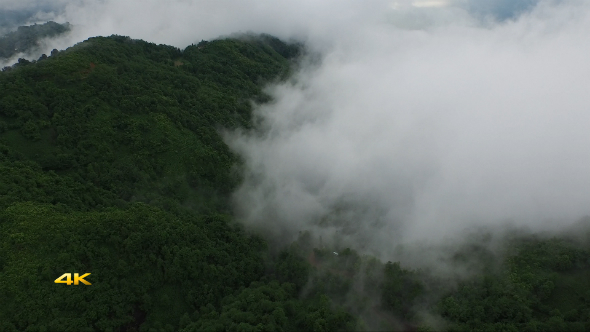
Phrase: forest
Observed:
(112, 163)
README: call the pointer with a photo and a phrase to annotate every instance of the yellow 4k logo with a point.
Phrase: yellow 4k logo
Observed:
(66, 278)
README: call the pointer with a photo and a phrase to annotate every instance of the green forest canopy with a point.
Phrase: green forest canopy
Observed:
(112, 164)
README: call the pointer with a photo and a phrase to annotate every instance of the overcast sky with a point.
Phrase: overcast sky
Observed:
(180, 22)
(424, 117)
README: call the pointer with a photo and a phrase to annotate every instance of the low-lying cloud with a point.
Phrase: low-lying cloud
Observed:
(404, 134)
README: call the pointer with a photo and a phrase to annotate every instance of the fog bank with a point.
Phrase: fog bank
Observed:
(405, 134)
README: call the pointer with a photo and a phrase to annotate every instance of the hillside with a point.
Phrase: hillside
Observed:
(112, 164)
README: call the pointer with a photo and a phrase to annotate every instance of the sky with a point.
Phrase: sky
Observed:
(181, 22)
(421, 119)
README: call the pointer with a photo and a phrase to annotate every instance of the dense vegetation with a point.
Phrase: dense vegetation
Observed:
(112, 163)
(543, 284)
(26, 38)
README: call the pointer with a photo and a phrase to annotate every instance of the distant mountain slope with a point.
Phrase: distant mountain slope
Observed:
(11, 19)
(26, 38)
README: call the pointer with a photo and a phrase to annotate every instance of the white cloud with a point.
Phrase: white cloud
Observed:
(427, 131)
(428, 3)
